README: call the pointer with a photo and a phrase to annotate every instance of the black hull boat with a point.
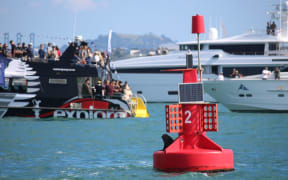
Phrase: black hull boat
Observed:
(53, 89)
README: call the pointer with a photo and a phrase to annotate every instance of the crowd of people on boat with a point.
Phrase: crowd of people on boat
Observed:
(84, 55)
(271, 28)
(26, 52)
(106, 88)
(100, 59)
(51, 52)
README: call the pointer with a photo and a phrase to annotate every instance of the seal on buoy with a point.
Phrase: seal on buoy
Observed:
(167, 140)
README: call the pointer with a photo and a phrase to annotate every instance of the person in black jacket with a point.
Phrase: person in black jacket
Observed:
(13, 48)
(99, 88)
(30, 52)
(86, 90)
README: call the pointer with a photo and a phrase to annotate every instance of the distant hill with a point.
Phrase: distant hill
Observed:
(130, 41)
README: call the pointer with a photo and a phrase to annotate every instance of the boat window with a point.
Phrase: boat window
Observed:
(283, 47)
(241, 95)
(215, 70)
(273, 49)
(248, 95)
(172, 92)
(216, 56)
(284, 69)
(272, 46)
(58, 81)
(244, 70)
(281, 95)
(184, 47)
(240, 49)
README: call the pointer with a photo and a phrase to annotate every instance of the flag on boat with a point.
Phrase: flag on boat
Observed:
(109, 43)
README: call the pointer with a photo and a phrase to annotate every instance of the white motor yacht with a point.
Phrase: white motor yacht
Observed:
(251, 93)
(249, 53)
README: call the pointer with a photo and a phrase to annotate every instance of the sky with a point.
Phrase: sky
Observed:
(56, 20)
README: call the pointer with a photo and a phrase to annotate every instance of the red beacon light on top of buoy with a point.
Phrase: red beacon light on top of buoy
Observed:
(191, 118)
(198, 26)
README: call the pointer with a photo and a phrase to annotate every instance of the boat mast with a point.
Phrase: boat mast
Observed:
(280, 18)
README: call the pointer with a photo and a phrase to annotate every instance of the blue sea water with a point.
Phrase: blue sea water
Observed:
(123, 148)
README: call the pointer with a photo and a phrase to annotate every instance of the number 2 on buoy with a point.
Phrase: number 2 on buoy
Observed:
(187, 120)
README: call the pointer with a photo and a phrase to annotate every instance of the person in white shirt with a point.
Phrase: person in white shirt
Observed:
(49, 51)
(220, 76)
(266, 73)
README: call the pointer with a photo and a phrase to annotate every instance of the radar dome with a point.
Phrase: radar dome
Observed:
(213, 34)
(78, 38)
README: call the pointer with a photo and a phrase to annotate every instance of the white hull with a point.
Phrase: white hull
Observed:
(250, 95)
(154, 87)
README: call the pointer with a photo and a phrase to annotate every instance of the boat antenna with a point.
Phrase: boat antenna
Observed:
(224, 30)
(280, 18)
(74, 25)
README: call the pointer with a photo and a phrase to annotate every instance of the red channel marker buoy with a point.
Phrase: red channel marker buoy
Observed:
(191, 118)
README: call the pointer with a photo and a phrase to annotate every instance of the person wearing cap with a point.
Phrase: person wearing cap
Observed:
(99, 89)
(30, 52)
